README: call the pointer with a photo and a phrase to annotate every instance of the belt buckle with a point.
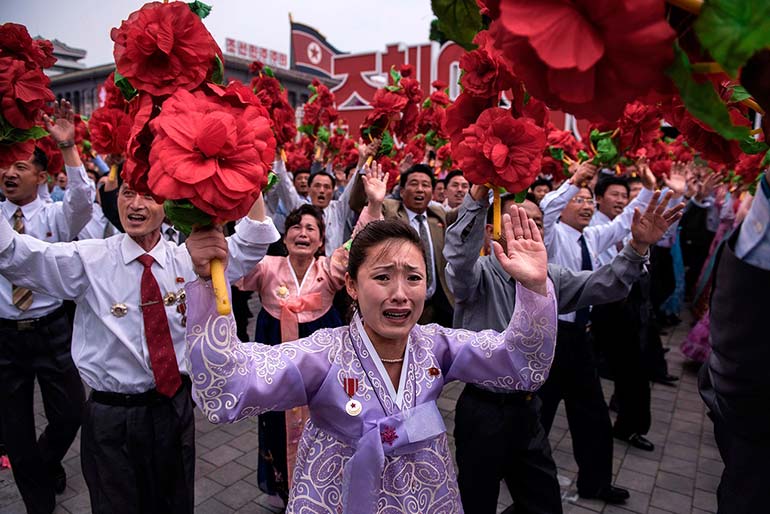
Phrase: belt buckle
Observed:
(23, 325)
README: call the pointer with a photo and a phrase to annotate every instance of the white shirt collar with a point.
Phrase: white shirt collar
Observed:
(130, 250)
(412, 215)
(571, 233)
(29, 210)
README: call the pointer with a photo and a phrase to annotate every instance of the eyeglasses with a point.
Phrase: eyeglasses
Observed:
(579, 200)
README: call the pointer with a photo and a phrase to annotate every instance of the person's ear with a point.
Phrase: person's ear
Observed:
(42, 177)
(351, 286)
(490, 230)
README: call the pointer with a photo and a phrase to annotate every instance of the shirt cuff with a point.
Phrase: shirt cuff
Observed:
(257, 232)
(6, 234)
(631, 254)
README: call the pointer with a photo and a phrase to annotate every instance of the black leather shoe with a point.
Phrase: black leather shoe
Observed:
(59, 480)
(608, 494)
(667, 379)
(638, 441)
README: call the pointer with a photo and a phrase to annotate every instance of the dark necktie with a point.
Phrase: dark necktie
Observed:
(582, 315)
(170, 233)
(426, 246)
(20, 296)
(156, 331)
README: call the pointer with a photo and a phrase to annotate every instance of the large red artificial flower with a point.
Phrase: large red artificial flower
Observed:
(137, 164)
(52, 153)
(681, 150)
(444, 153)
(407, 126)
(347, 155)
(389, 167)
(749, 166)
(113, 95)
(16, 43)
(563, 139)
(163, 47)
(416, 147)
(110, 129)
(658, 155)
(463, 112)
(586, 57)
(212, 152)
(320, 110)
(702, 138)
(639, 126)
(81, 130)
(501, 150)
(485, 71)
(432, 118)
(299, 155)
(24, 93)
(12, 152)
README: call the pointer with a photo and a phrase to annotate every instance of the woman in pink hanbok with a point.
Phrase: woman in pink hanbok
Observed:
(376, 440)
(297, 294)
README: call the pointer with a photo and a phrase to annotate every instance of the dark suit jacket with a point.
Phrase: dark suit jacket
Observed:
(735, 382)
(438, 220)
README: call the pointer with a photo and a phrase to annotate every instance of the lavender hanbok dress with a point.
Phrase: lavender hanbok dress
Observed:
(392, 457)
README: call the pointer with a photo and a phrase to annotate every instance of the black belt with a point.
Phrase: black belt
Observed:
(503, 398)
(151, 397)
(571, 326)
(27, 325)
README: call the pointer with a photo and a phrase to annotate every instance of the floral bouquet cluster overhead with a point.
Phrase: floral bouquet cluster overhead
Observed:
(627, 66)
(203, 147)
(24, 92)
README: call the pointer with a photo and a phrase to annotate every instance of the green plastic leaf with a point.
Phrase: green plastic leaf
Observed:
(393, 89)
(766, 160)
(305, 129)
(521, 196)
(427, 103)
(606, 152)
(458, 20)
(323, 134)
(10, 134)
(435, 33)
(272, 180)
(556, 153)
(387, 145)
(582, 155)
(125, 86)
(218, 73)
(395, 76)
(751, 146)
(199, 8)
(739, 94)
(267, 70)
(185, 215)
(733, 30)
(702, 100)
(312, 98)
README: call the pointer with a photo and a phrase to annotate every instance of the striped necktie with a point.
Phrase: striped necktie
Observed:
(20, 296)
(425, 240)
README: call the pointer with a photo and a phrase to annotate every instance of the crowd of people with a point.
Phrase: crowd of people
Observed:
(371, 300)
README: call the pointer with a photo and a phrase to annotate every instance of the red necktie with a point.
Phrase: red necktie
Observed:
(162, 355)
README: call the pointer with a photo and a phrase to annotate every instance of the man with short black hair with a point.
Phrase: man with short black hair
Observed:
(35, 335)
(430, 223)
(456, 188)
(540, 188)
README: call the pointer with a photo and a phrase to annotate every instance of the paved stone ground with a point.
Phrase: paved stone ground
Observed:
(679, 477)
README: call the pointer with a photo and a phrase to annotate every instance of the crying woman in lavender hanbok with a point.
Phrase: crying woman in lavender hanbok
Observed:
(376, 441)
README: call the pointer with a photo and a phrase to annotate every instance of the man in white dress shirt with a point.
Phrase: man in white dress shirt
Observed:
(573, 244)
(35, 334)
(137, 442)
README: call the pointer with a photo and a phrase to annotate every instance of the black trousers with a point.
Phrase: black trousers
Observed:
(743, 488)
(499, 437)
(575, 379)
(42, 353)
(618, 331)
(140, 458)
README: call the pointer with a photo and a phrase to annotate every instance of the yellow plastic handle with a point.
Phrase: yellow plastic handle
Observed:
(220, 287)
(113, 173)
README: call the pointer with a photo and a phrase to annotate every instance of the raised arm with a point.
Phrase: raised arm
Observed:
(284, 189)
(53, 269)
(253, 235)
(232, 380)
(74, 212)
(520, 357)
(463, 242)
